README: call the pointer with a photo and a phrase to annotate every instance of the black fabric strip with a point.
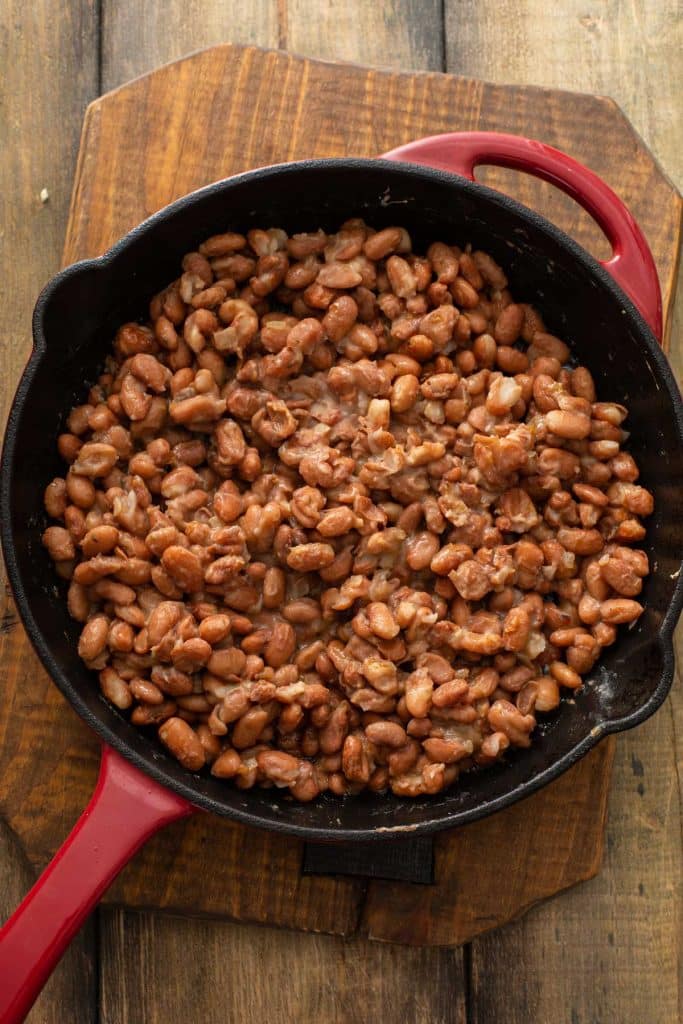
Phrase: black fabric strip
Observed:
(402, 860)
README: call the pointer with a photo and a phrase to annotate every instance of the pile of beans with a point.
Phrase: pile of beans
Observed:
(340, 516)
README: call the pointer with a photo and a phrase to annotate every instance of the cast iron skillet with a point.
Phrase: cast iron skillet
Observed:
(74, 321)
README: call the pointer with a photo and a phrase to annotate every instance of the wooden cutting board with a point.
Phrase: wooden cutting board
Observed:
(204, 118)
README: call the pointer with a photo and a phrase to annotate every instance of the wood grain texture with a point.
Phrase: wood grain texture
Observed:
(254, 876)
(155, 152)
(400, 34)
(164, 971)
(611, 950)
(138, 36)
(532, 842)
(629, 51)
(48, 62)
(48, 57)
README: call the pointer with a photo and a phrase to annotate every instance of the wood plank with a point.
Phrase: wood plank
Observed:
(629, 52)
(259, 878)
(40, 116)
(394, 34)
(612, 949)
(138, 38)
(162, 970)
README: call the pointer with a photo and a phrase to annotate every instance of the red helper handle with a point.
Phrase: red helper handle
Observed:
(126, 808)
(631, 264)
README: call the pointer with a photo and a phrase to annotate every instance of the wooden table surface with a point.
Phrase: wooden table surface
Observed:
(606, 952)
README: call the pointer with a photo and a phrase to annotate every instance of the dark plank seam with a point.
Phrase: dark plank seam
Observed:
(99, 4)
(282, 24)
(467, 981)
(97, 927)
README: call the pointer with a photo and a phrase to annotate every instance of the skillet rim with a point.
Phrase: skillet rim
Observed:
(154, 769)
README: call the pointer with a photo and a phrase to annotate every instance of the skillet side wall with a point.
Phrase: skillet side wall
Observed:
(78, 316)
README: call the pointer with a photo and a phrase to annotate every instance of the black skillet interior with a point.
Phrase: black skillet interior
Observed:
(74, 324)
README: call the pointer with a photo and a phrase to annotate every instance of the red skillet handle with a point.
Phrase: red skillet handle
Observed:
(631, 264)
(126, 808)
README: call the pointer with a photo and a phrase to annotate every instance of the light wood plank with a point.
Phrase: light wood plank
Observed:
(397, 34)
(166, 971)
(611, 949)
(48, 62)
(402, 34)
(48, 57)
(138, 37)
(630, 51)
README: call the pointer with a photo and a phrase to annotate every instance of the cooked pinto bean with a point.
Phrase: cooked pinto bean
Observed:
(183, 743)
(339, 516)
